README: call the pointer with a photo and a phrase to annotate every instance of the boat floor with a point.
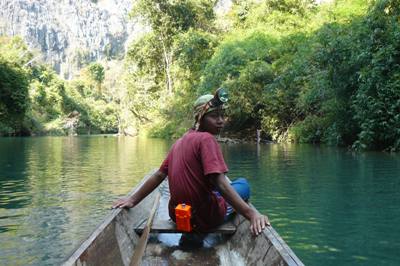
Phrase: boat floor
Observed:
(164, 249)
(163, 245)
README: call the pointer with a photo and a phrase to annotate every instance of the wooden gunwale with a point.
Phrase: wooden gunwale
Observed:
(110, 219)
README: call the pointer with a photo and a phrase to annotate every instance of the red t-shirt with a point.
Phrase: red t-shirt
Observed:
(194, 156)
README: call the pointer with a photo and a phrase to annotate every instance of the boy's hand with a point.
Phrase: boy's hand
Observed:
(258, 222)
(123, 203)
(145, 189)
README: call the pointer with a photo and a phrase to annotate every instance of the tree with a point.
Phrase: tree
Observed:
(167, 19)
(13, 96)
(156, 65)
(14, 80)
(376, 103)
(97, 74)
(242, 64)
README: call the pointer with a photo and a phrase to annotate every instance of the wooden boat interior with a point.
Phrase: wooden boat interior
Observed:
(114, 241)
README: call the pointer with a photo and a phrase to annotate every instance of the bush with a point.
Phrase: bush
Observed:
(13, 96)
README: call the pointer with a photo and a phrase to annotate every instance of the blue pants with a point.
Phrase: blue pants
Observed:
(241, 186)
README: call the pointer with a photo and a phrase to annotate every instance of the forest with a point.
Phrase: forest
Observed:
(298, 70)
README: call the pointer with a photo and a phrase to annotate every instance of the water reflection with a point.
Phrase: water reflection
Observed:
(331, 206)
(13, 185)
(54, 190)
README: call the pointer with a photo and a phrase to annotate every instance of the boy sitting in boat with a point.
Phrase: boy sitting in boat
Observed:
(196, 174)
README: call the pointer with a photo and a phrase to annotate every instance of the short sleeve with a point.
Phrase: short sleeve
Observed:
(164, 165)
(211, 156)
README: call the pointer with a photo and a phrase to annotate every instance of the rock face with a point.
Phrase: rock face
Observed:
(70, 33)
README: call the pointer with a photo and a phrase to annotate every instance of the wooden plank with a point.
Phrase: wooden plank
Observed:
(266, 249)
(141, 245)
(168, 226)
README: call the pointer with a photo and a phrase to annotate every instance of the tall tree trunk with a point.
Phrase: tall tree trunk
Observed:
(119, 119)
(168, 62)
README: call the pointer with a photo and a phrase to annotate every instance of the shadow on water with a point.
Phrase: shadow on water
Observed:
(13, 176)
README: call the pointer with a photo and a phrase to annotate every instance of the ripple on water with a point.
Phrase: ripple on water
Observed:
(332, 207)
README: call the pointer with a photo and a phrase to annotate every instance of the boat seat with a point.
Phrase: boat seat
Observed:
(168, 226)
(163, 224)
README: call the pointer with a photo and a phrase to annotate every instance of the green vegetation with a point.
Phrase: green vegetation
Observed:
(297, 70)
(35, 100)
(14, 82)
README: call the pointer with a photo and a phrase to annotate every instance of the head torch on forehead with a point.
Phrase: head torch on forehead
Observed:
(220, 97)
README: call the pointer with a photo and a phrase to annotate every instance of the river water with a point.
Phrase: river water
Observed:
(331, 206)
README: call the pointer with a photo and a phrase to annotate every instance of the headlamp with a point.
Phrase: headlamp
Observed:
(220, 97)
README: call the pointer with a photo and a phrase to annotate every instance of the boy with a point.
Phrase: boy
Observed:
(196, 168)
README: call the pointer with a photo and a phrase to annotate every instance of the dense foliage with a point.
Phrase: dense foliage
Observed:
(163, 67)
(14, 82)
(297, 70)
(305, 72)
(35, 100)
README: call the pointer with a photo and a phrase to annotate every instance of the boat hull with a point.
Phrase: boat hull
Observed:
(114, 241)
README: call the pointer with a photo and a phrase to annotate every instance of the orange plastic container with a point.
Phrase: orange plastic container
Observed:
(183, 214)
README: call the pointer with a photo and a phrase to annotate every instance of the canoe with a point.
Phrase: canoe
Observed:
(114, 241)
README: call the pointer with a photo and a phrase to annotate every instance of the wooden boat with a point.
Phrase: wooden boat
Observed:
(114, 241)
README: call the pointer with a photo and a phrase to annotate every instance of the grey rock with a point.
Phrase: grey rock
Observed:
(69, 34)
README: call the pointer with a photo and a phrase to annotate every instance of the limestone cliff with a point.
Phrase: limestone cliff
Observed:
(70, 33)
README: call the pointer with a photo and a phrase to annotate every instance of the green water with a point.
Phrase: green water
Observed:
(331, 206)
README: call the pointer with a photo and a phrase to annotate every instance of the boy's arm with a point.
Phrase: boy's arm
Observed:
(257, 220)
(143, 191)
